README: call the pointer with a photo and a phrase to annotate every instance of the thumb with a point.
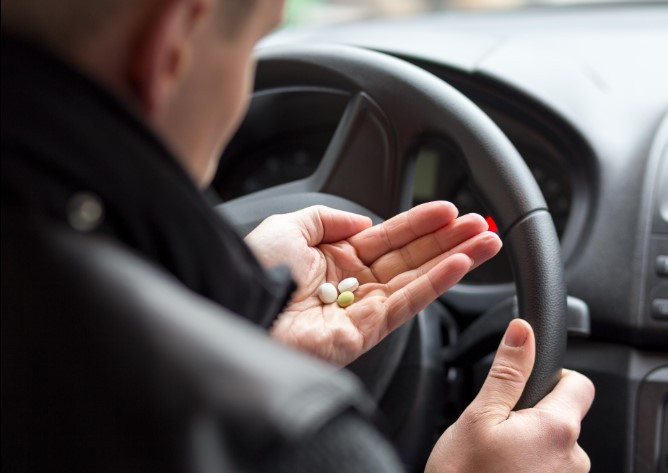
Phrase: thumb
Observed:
(508, 375)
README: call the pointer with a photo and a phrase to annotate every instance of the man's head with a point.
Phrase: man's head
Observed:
(185, 65)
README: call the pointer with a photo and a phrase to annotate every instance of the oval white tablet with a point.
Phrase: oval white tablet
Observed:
(327, 293)
(349, 284)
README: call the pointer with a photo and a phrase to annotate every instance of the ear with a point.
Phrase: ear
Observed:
(159, 57)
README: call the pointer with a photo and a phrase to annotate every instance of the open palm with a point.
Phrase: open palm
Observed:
(402, 265)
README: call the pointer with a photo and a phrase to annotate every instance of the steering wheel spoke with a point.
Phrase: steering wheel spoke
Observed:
(361, 159)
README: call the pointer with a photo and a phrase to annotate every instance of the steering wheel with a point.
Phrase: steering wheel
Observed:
(367, 169)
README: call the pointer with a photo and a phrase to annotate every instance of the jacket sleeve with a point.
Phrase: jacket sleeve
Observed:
(111, 364)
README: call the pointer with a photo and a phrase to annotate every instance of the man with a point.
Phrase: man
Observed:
(115, 111)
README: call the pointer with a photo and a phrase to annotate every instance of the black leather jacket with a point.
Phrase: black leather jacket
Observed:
(133, 341)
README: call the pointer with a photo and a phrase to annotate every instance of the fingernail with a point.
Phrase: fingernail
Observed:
(516, 334)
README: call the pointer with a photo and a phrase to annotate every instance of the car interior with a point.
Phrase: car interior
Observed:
(551, 122)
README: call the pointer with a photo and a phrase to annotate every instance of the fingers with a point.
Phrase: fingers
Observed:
(402, 229)
(580, 459)
(325, 225)
(572, 396)
(479, 249)
(561, 413)
(412, 291)
(508, 375)
(409, 300)
(424, 249)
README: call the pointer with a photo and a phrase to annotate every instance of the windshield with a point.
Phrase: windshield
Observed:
(315, 12)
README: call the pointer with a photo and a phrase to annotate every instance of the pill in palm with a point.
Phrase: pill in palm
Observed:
(327, 293)
(346, 298)
(349, 284)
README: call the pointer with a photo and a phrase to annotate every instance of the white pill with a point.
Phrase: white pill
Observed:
(327, 293)
(349, 284)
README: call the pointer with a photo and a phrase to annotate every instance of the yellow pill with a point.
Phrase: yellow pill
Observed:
(346, 298)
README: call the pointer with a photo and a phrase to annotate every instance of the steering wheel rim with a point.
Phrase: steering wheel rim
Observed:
(392, 104)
